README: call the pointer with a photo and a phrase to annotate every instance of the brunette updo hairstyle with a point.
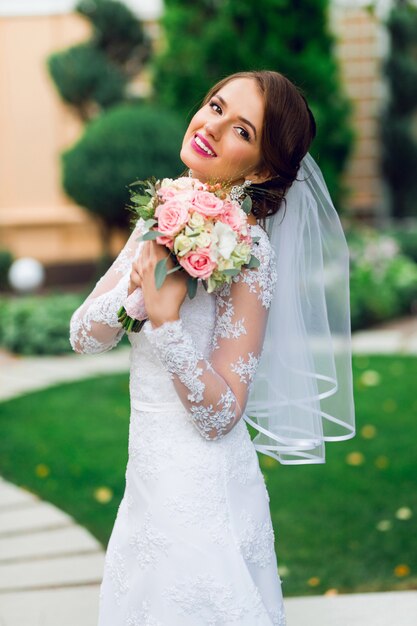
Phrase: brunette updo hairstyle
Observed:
(288, 131)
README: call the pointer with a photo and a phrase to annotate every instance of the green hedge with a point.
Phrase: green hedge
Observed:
(383, 280)
(37, 324)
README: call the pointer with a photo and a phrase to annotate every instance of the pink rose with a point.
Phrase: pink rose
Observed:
(165, 193)
(233, 216)
(172, 216)
(207, 204)
(198, 263)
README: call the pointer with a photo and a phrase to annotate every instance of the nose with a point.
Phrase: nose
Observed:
(212, 129)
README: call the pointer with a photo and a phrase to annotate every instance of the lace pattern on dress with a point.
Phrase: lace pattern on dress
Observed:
(256, 541)
(148, 544)
(261, 280)
(117, 571)
(142, 617)
(212, 603)
(179, 355)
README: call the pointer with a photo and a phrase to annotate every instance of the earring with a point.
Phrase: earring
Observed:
(237, 191)
(190, 173)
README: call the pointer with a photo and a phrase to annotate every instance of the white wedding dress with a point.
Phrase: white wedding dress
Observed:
(193, 543)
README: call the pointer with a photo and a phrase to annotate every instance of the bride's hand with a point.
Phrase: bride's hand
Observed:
(162, 305)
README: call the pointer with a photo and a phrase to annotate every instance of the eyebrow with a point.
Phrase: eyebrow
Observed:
(242, 119)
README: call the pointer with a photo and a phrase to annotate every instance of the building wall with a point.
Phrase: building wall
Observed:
(36, 219)
(361, 49)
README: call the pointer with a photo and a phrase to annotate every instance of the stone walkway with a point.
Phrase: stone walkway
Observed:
(50, 568)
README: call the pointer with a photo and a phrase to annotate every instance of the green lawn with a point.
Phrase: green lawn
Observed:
(349, 525)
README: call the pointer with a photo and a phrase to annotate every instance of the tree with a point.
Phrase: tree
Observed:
(213, 38)
(94, 75)
(123, 139)
(399, 121)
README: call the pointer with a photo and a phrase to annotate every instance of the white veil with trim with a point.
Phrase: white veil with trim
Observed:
(302, 395)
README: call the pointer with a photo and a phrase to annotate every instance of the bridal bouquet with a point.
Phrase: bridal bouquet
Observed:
(205, 231)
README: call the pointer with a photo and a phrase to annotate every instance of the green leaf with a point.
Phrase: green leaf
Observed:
(246, 205)
(151, 235)
(255, 239)
(253, 262)
(139, 199)
(191, 286)
(233, 272)
(174, 269)
(160, 272)
(149, 223)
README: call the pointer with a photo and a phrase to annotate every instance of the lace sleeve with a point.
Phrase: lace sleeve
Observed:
(215, 390)
(94, 327)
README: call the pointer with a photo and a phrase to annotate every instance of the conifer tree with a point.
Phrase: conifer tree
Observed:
(399, 123)
(209, 39)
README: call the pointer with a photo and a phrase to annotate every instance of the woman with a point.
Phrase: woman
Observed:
(193, 542)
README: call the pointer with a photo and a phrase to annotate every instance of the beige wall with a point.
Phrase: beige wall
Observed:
(36, 219)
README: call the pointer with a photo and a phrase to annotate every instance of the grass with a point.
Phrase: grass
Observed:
(349, 525)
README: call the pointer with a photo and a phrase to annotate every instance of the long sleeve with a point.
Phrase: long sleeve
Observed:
(215, 390)
(94, 326)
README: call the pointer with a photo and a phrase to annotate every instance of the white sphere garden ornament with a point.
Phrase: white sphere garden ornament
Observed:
(26, 274)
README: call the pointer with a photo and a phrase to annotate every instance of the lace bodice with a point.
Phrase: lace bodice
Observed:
(207, 359)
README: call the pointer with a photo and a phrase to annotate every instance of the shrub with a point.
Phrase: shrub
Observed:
(383, 282)
(84, 77)
(398, 129)
(406, 236)
(37, 324)
(6, 260)
(130, 142)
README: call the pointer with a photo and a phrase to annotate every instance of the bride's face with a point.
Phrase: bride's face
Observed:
(223, 140)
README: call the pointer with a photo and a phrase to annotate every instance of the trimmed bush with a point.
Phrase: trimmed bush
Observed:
(130, 142)
(84, 77)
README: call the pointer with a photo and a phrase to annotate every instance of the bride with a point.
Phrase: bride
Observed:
(193, 543)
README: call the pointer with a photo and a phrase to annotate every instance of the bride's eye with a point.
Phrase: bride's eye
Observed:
(216, 107)
(244, 133)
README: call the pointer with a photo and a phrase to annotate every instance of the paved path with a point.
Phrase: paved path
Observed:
(50, 568)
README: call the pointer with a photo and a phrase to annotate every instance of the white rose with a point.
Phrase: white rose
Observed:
(225, 264)
(196, 220)
(224, 239)
(182, 183)
(166, 182)
(203, 240)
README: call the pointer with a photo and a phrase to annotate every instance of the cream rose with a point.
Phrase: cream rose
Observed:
(182, 245)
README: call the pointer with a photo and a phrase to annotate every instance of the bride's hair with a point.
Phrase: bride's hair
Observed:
(288, 130)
